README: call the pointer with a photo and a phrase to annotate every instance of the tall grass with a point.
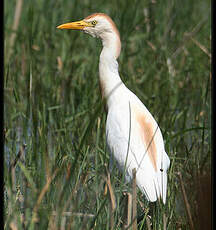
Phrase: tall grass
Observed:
(55, 156)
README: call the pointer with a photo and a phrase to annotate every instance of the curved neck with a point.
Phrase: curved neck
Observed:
(110, 81)
(111, 43)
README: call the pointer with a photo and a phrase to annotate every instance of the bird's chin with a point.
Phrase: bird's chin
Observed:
(90, 33)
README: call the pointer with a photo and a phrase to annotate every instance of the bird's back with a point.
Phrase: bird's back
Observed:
(135, 140)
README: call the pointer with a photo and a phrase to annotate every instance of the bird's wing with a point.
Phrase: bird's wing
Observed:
(135, 140)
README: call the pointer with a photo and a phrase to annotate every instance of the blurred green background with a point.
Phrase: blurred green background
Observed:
(55, 155)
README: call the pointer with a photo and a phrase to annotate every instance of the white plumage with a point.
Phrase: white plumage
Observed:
(133, 136)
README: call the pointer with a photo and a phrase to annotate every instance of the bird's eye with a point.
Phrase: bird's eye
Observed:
(94, 23)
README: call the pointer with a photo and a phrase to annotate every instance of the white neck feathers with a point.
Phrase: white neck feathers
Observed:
(110, 81)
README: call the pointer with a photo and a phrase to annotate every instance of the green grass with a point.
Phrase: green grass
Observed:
(53, 106)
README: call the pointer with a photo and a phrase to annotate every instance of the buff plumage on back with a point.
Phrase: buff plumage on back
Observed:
(148, 132)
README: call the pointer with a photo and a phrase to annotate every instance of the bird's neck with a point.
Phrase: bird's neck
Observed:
(110, 81)
(112, 43)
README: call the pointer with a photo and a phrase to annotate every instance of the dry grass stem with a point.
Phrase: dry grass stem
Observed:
(63, 223)
(151, 45)
(60, 63)
(112, 196)
(52, 223)
(19, 155)
(128, 212)
(15, 25)
(78, 214)
(203, 48)
(112, 201)
(13, 226)
(129, 209)
(44, 190)
(134, 201)
(195, 30)
(187, 205)
(164, 221)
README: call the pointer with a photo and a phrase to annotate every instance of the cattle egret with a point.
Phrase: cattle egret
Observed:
(133, 136)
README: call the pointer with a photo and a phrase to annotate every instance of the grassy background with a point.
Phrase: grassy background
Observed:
(53, 108)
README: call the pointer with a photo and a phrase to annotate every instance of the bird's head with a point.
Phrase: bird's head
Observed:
(98, 25)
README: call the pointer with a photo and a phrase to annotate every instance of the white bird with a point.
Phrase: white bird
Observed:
(133, 136)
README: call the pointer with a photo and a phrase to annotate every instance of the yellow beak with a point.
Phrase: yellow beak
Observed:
(75, 25)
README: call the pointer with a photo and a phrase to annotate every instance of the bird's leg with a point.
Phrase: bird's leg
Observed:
(148, 222)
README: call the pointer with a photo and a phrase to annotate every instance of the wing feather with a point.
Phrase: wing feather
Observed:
(135, 141)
